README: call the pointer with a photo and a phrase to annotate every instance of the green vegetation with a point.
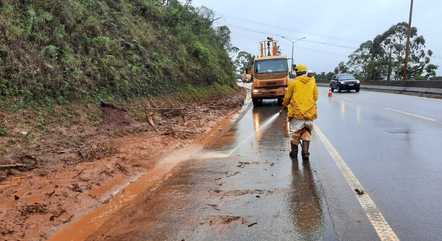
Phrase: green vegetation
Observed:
(58, 51)
(3, 131)
(244, 61)
(383, 57)
(324, 77)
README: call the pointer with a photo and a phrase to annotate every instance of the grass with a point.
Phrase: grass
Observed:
(3, 131)
(56, 52)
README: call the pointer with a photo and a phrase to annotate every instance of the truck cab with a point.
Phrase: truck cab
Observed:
(270, 74)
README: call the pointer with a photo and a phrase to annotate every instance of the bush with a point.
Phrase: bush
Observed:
(70, 50)
(3, 131)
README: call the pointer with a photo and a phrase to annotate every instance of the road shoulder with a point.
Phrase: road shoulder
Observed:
(37, 203)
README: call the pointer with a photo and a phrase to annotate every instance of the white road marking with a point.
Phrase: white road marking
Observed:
(431, 99)
(383, 229)
(412, 115)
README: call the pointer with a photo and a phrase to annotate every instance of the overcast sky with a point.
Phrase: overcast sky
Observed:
(333, 28)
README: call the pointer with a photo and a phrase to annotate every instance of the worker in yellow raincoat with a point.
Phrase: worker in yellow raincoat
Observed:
(300, 99)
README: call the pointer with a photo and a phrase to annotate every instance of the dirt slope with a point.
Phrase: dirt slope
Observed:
(71, 170)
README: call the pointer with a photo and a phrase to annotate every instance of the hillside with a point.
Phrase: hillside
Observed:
(93, 93)
(64, 50)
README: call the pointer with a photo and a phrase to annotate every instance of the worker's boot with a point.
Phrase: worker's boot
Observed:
(294, 151)
(305, 151)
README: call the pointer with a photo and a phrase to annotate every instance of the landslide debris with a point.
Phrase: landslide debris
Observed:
(75, 170)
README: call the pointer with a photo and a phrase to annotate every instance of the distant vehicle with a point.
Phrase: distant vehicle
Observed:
(269, 74)
(345, 82)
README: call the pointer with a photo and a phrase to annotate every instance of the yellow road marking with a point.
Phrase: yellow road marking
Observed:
(411, 114)
(383, 229)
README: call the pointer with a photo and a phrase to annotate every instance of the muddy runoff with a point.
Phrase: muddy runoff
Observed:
(77, 169)
(257, 193)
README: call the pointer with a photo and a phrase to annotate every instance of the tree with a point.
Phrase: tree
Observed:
(430, 71)
(243, 61)
(207, 13)
(234, 50)
(223, 33)
(325, 77)
(359, 60)
(383, 57)
(341, 68)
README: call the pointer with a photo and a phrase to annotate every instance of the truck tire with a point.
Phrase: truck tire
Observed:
(280, 100)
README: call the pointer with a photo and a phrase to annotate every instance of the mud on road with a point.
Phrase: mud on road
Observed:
(72, 169)
(257, 193)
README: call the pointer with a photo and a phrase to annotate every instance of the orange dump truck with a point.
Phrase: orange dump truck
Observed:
(270, 73)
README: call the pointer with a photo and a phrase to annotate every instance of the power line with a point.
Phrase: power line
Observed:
(300, 32)
(286, 29)
(331, 44)
(305, 40)
(320, 51)
(251, 30)
(261, 23)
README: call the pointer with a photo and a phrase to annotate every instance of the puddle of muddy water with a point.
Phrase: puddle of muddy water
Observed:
(88, 223)
(83, 227)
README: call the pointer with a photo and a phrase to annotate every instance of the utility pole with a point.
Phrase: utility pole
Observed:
(293, 54)
(389, 64)
(407, 48)
(293, 47)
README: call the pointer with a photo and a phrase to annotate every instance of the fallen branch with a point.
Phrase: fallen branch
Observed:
(189, 132)
(149, 118)
(164, 108)
(14, 165)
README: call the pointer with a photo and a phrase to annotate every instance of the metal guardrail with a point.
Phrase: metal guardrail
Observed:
(419, 88)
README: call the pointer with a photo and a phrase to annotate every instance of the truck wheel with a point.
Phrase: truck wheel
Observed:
(280, 100)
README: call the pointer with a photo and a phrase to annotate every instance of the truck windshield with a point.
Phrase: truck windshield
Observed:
(272, 66)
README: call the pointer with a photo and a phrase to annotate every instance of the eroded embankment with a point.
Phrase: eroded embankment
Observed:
(50, 178)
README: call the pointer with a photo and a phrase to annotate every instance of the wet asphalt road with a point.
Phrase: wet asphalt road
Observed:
(390, 142)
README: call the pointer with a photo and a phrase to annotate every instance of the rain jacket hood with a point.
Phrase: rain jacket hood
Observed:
(301, 97)
(305, 79)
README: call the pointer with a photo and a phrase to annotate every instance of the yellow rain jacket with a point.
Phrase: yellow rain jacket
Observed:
(300, 98)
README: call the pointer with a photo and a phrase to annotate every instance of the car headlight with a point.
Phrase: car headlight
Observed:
(341, 82)
(358, 82)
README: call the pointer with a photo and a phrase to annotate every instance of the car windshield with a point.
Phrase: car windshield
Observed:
(346, 77)
(272, 66)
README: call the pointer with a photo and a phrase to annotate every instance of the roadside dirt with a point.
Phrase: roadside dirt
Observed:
(73, 168)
